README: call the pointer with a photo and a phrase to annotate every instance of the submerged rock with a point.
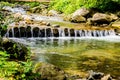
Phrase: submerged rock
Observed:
(49, 72)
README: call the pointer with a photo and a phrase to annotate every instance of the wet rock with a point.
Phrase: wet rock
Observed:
(36, 32)
(48, 24)
(52, 13)
(101, 18)
(28, 32)
(16, 32)
(22, 32)
(48, 32)
(10, 33)
(72, 33)
(49, 72)
(66, 31)
(107, 77)
(117, 31)
(55, 32)
(56, 26)
(95, 75)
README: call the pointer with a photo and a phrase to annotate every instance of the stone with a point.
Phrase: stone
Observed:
(15, 50)
(78, 19)
(35, 32)
(113, 17)
(56, 25)
(36, 9)
(7, 8)
(95, 75)
(49, 72)
(81, 12)
(79, 15)
(48, 24)
(107, 77)
(52, 13)
(17, 15)
(101, 18)
(55, 32)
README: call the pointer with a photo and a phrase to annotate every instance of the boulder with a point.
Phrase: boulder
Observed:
(78, 19)
(79, 15)
(49, 72)
(81, 12)
(101, 18)
(15, 50)
(52, 13)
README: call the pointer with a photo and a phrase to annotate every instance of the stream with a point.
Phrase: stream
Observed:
(76, 55)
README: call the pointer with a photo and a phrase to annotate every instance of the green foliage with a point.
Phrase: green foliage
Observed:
(69, 6)
(16, 70)
(2, 4)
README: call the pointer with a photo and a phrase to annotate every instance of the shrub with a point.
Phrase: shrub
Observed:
(69, 6)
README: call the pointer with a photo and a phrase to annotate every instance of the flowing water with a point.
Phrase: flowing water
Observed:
(97, 50)
(78, 55)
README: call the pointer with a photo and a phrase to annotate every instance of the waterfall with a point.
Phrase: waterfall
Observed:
(68, 32)
(63, 33)
(45, 33)
(52, 32)
(32, 32)
(13, 32)
(59, 32)
(75, 31)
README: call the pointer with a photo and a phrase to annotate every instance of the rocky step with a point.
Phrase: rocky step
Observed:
(57, 32)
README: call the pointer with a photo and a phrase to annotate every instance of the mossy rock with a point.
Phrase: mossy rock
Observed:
(49, 72)
(17, 51)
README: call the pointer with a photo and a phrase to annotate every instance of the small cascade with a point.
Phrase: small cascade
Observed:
(13, 32)
(32, 32)
(63, 33)
(45, 32)
(68, 32)
(56, 32)
(75, 31)
(52, 32)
